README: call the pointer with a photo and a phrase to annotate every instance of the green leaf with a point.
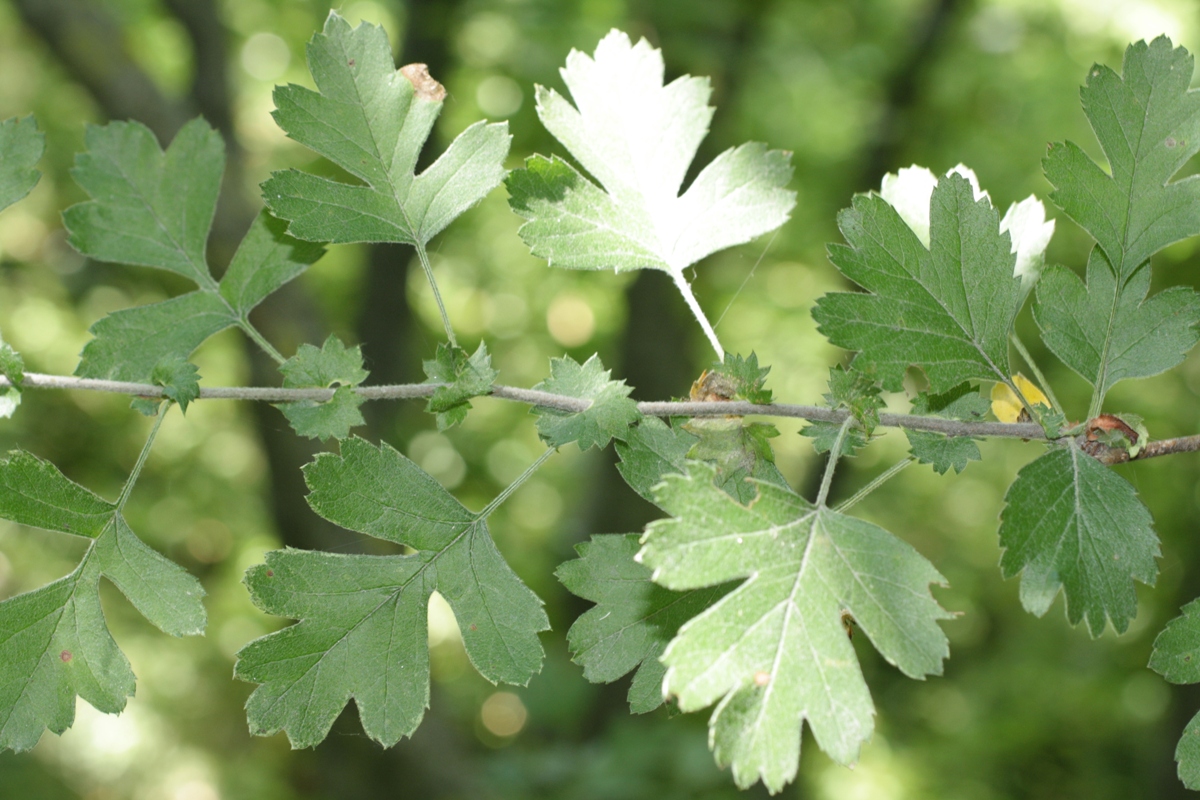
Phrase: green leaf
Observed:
(1148, 122)
(858, 394)
(1176, 654)
(1107, 342)
(148, 207)
(825, 434)
(465, 376)
(917, 309)
(332, 418)
(54, 643)
(609, 416)
(21, 147)
(154, 209)
(372, 121)
(638, 137)
(12, 367)
(329, 365)
(650, 450)
(333, 364)
(130, 343)
(633, 618)
(963, 402)
(1176, 657)
(266, 259)
(774, 651)
(363, 619)
(180, 379)
(1071, 523)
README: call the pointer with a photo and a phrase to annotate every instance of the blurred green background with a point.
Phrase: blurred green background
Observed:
(1027, 708)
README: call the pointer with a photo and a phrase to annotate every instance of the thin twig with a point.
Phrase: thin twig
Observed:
(735, 408)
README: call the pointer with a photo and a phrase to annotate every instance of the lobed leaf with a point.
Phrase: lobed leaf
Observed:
(1147, 121)
(465, 377)
(948, 310)
(609, 416)
(773, 652)
(637, 138)
(333, 364)
(362, 630)
(633, 619)
(651, 449)
(372, 120)
(21, 147)
(963, 402)
(1105, 341)
(54, 643)
(1071, 523)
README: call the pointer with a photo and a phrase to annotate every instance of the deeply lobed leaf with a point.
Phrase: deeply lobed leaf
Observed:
(633, 619)
(362, 630)
(54, 643)
(638, 137)
(773, 651)
(1148, 123)
(948, 310)
(372, 120)
(608, 416)
(1105, 341)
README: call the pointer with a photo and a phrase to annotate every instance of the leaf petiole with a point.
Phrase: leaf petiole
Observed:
(831, 465)
(499, 499)
(881, 479)
(437, 295)
(1043, 384)
(141, 461)
(260, 340)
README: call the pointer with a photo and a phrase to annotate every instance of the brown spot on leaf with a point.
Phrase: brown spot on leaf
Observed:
(427, 88)
(270, 573)
(474, 627)
(1171, 141)
(848, 623)
(65, 655)
(350, 63)
(713, 387)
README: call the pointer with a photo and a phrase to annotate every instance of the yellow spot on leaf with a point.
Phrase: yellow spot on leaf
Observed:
(1007, 406)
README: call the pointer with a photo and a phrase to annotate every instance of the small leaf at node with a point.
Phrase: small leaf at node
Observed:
(333, 364)
(465, 376)
(610, 414)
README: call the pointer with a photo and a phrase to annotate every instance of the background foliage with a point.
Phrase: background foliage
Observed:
(1027, 707)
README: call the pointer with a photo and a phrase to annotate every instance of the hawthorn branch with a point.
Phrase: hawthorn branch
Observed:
(534, 397)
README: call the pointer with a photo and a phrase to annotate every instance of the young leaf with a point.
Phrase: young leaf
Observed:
(638, 137)
(1176, 657)
(332, 365)
(1071, 523)
(633, 618)
(1107, 342)
(362, 629)
(54, 643)
(465, 376)
(21, 147)
(154, 208)
(610, 414)
(372, 121)
(1148, 122)
(825, 435)
(180, 379)
(963, 402)
(948, 310)
(773, 651)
